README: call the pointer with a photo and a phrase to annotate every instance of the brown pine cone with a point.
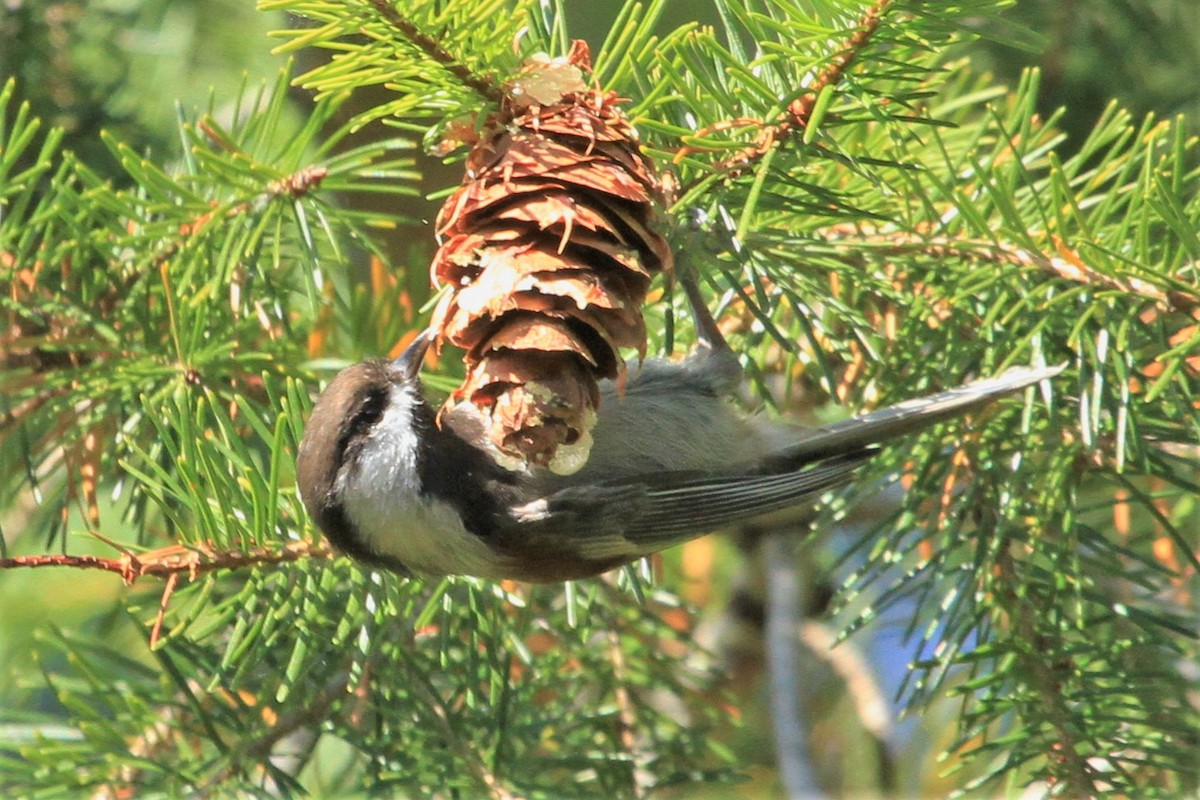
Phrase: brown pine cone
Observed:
(548, 249)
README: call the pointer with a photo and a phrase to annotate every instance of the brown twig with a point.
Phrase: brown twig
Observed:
(482, 85)
(1066, 263)
(799, 113)
(164, 601)
(175, 560)
(299, 183)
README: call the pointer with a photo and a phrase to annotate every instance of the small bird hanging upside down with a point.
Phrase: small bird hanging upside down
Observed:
(672, 459)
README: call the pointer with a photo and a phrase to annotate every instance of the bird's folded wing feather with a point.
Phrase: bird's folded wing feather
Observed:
(646, 513)
(639, 517)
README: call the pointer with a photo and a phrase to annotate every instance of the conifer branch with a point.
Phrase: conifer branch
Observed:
(155, 742)
(46, 345)
(207, 427)
(161, 737)
(1066, 263)
(310, 716)
(482, 85)
(175, 560)
(799, 112)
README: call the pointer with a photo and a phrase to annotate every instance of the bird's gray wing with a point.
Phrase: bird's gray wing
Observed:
(653, 512)
(644, 513)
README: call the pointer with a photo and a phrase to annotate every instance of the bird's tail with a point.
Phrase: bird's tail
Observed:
(888, 423)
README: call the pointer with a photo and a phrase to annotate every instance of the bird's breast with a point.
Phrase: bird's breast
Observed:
(425, 535)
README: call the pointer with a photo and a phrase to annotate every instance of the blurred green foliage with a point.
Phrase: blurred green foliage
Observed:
(1143, 53)
(126, 66)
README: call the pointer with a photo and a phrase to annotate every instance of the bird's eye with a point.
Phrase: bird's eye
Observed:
(359, 423)
(370, 411)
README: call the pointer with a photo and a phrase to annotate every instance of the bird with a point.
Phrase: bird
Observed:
(395, 487)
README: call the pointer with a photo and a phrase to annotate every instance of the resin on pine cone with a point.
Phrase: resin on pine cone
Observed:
(547, 251)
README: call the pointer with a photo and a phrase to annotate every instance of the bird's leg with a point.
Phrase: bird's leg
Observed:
(707, 333)
(721, 363)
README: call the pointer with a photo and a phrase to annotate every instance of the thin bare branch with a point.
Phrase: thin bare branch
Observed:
(862, 686)
(174, 560)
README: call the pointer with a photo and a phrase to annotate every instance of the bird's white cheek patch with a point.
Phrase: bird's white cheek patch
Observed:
(384, 502)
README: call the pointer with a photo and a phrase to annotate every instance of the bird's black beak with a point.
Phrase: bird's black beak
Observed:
(409, 362)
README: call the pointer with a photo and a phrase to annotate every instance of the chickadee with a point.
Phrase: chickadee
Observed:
(672, 460)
